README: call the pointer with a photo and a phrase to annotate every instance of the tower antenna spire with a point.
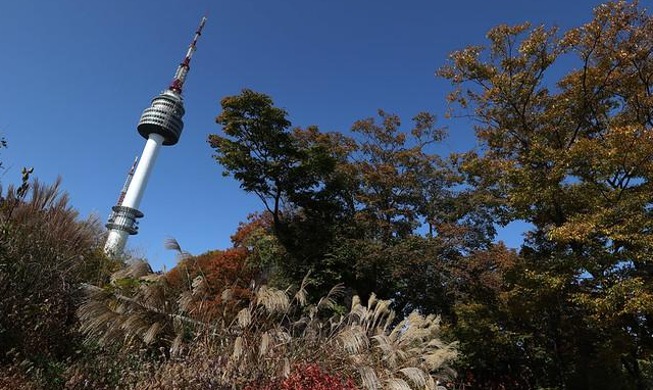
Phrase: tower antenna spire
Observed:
(160, 124)
(178, 81)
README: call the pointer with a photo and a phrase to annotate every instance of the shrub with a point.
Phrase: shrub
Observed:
(45, 253)
(308, 377)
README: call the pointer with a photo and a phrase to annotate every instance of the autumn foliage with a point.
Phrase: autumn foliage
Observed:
(374, 262)
(307, 377)
(218, 271)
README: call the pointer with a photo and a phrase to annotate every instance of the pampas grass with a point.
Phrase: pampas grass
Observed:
(271, 332)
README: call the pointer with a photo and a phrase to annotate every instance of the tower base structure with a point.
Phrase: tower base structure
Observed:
(122, 223)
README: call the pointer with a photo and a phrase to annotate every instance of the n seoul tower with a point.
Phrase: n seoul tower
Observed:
(160, 124)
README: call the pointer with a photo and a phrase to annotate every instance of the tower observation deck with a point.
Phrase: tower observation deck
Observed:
(160, 124)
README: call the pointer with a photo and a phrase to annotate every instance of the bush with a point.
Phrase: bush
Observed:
(308, 377)
(45, 253)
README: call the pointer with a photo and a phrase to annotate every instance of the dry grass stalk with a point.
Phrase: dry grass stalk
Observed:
(271, 333)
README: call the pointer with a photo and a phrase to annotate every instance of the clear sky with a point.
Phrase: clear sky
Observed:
(75, 76)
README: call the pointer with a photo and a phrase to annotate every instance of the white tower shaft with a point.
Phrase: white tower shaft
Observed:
(134, 194)
(118, 237)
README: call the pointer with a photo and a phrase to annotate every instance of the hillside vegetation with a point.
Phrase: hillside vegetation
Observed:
(374, 262)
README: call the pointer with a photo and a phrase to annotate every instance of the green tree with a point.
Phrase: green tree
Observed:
(258, 149)
(380, 213)
(298, 174)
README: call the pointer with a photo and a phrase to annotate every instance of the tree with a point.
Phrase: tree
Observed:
(401, 183)
(351, 210)
(299, 175)
(573, 159)
(258, 150)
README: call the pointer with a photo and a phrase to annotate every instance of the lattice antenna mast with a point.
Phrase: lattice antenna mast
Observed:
(160, 124)
(178, 81)
(128, 180)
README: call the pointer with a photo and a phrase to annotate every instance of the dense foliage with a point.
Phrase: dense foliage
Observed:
(568, 153)
(574, 159)
(564, 128)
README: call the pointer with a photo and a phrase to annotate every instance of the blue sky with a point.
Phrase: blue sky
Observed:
(77, 74)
